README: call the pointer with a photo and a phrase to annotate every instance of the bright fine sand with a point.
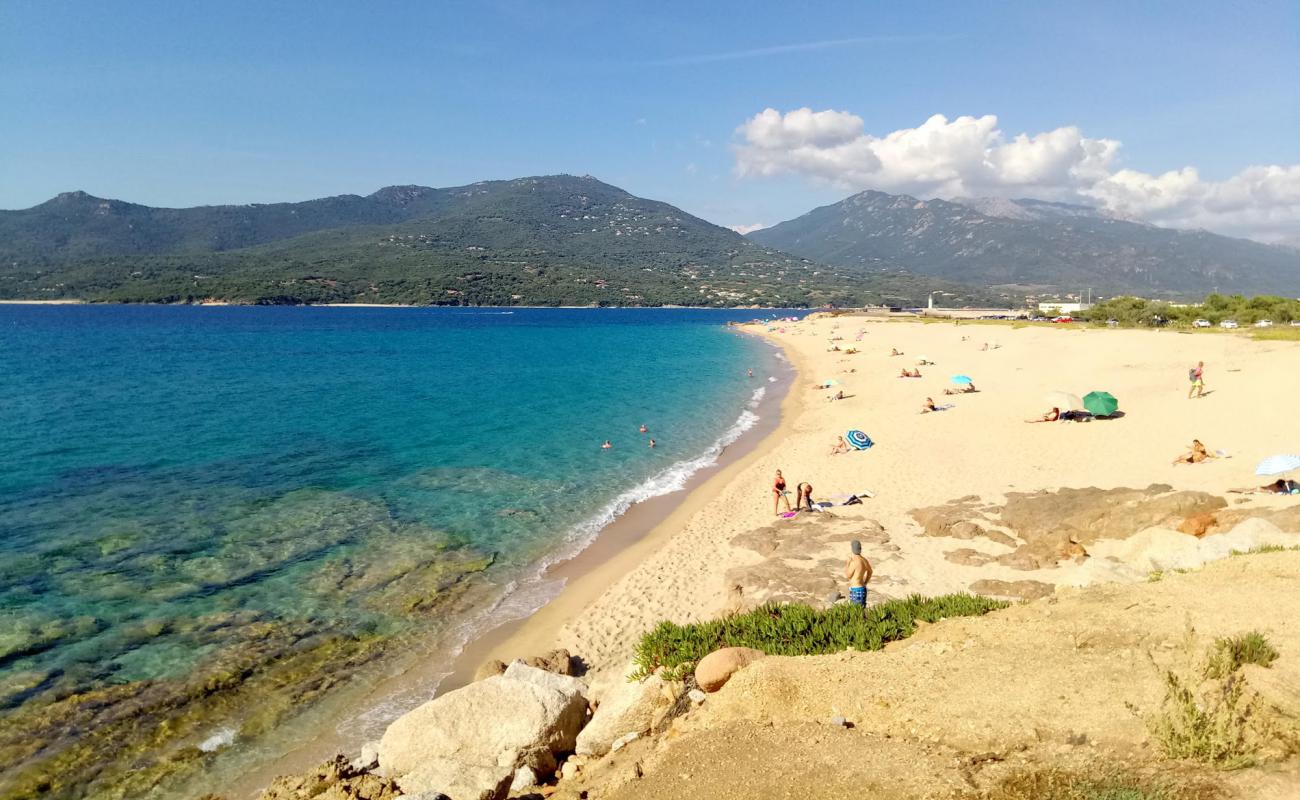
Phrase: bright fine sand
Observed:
(981, 446)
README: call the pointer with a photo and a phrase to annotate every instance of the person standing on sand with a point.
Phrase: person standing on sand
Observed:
(1197, 376)
(858, 572)
(779, 493)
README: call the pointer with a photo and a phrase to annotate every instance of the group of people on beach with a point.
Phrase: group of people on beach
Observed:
(781, 494)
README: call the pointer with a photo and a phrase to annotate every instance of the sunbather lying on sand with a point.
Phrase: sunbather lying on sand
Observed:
(1196, 455)
(928, 406)
(967, 389)
(894, 352)
(1050, 416)
(909, 373)
(1279, 486)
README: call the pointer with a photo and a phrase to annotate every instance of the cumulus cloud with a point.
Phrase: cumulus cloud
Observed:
(972, 157)
(744, 229)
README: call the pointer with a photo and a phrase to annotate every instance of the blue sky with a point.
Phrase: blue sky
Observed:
(179, 104)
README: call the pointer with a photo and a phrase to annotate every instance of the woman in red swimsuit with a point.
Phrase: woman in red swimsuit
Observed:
(779, 494)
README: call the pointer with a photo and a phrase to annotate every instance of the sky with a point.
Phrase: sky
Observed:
(746, 114)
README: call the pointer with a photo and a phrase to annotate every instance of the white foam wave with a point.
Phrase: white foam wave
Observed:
(526, 594)
(771, 379)
(222, 738)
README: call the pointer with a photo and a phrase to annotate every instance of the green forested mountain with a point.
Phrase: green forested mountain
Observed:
(538, 241)
(1031, 245)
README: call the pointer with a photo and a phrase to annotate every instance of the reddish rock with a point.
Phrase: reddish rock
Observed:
(715, 669)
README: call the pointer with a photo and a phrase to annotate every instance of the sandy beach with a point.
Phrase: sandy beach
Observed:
(689, 568)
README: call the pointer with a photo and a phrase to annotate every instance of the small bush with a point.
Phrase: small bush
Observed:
(799, 630)
(1228, 655)
(1263, 548)
(1097, 784)
(1215, 730)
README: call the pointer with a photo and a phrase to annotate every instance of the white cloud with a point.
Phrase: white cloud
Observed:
(744, 229)
(971, 157)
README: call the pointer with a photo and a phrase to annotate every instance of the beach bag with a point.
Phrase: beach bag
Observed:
(1191, 374)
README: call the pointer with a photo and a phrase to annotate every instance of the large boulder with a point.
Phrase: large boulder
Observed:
(627, 707)
(519, 671)
(715, 669)
(457, 780)
(469, 742)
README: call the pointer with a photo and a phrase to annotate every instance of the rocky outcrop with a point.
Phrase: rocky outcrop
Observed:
(469, 743)
(558, 661)
(715, 669)
(333, 780)
(628, 707)
(1054, 526)
(787, 573)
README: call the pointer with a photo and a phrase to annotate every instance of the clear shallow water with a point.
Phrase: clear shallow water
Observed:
(174, 477)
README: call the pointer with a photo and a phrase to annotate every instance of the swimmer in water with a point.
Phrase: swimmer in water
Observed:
(607, 446)
(644, 429)
(652, 442)
(751, 373)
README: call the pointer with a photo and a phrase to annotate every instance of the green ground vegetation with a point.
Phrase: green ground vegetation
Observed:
(1215, 308)
(799, 630)
(1206, 715)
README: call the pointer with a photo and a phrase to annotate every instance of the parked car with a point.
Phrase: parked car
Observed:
(1111, 323)
(1295, 323)
(1201, 323)
(1062, 319)
(1264, 323)
(1228, 323)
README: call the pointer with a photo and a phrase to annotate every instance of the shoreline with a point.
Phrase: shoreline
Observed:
(594, 571)
(585, 575)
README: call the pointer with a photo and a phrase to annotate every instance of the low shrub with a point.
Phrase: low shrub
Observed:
(1205, 718)
(1229, 654)
(1098, 783)
(799, 630)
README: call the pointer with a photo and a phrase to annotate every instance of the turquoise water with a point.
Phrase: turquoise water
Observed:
(295, 465)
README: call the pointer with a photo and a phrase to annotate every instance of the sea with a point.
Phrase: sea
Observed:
(214, 518)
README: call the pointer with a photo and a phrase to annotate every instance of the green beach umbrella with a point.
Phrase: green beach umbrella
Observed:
(1101, 404)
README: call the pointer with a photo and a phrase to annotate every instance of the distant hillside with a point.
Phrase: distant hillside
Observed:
(1031, 244)
(538, 241)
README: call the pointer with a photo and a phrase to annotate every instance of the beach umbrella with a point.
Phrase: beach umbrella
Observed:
(1100, 404)
(962, 379)
(1064, 401)
(1276, 465)
(858, 439)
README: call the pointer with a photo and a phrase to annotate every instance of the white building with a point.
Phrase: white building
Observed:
(1055, 307)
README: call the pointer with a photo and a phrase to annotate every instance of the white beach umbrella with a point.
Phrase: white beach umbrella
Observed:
(1064, 401)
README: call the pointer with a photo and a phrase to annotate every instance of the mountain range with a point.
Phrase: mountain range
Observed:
(547, 240)
(1030, 246)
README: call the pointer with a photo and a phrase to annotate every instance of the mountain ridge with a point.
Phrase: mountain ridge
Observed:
(1030, 244)
(542, 240)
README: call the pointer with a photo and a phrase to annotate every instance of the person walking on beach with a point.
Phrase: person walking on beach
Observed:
(1197, 376)
(780, 494)
(858, 572)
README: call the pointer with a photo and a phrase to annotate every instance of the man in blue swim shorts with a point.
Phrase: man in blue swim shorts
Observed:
(858, 572)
